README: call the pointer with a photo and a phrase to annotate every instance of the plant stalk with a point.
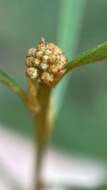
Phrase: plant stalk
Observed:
(42, 129)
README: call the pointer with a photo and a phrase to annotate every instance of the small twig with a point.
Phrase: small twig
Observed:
(13, 86)
(90, 56)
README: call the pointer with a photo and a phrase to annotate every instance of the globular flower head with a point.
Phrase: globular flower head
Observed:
(45, 64)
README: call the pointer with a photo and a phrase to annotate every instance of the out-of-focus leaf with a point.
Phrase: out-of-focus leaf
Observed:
(67, 38)
(90, 56)
(12, 85)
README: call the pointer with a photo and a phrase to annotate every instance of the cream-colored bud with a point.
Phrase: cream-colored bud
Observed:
(47, 77)
(63, 59)
(30, 52)
(54, 68)
(48, 52)
(32, 72)
(36, 62)
(39, 54)
(45, 58)
(44, 66)
(34, 52)
(29, 61)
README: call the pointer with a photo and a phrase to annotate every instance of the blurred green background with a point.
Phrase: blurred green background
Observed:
(81, 125)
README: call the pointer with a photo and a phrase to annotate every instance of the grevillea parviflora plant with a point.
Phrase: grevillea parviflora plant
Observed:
(46, 66)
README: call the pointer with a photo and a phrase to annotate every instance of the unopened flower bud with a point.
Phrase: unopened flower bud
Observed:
(32, 72)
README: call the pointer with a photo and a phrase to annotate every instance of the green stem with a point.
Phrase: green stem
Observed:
(41, 131)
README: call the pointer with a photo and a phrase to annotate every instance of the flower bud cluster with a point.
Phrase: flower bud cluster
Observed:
(45, 63)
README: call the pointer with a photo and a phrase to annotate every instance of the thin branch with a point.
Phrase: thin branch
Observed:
(12, 85)
(90, 56)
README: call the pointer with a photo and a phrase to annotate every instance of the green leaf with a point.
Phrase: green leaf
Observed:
(12, 85)
(67, 29)
(91, 56)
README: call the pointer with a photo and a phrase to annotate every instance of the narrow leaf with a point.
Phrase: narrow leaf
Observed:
(12, 85)
(91, 56)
